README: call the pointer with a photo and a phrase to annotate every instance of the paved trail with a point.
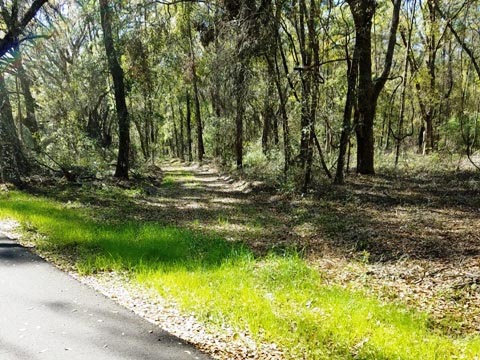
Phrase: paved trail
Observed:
(45, 314)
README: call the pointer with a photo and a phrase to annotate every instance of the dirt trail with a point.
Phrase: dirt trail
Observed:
(200, 198)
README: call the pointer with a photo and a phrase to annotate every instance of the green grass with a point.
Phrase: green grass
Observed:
(277, 299)
(168, 181)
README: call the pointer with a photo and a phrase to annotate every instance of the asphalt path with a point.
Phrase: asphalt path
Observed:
(46, 314)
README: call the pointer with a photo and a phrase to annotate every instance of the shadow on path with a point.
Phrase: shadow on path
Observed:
(46, 314)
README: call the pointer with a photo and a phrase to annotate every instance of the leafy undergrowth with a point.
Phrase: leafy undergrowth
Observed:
(276, 298)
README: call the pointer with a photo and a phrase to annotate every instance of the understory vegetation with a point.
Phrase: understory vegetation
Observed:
(304, 92)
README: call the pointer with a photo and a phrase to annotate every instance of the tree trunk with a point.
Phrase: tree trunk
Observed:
(275, 76)
(432, 55)
(12, 160)
(400, 137)
(240, 111)
(30, 119)
(421, 101)
(198, 117)
(176, 136)
(368, 89)
(266, 129)
(143, 146)
(363, 14)
(313, 79)
(116, 72)
(182, 138)
(273, 66)
(347, 119)
(245, 15)
(268, 115)
(305, 76)
(276, 139)
(189, 129)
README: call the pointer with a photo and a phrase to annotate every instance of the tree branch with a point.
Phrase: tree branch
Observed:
(380, 82)
(461, 41)
(306, 68)
(11, 37)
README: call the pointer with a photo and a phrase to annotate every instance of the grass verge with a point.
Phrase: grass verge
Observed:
(277, 298)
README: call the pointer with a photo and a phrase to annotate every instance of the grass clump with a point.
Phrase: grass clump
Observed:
(277, 299)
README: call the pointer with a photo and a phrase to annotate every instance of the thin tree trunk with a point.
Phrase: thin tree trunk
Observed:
(147, 126)
(189, 129)
(305, 76)
(322, 158)
(283, 113)
(198, 117)
(314, 81)
(267, 114)
(432, 55)
(240, 111)
(274, 70)
(347, 116)
(399, 137)
(175, 135)
(19, 112)
(276, 139)
(421, 101)
(182, 138)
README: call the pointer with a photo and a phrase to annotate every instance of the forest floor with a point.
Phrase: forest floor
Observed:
(412, 240)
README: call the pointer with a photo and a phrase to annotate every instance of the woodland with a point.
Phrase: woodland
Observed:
(300, 176)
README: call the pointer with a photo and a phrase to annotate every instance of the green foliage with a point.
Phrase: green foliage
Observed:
(463, 131)
(263, 166)
(160, 46)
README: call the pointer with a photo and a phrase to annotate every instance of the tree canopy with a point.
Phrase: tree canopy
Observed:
(301, 90)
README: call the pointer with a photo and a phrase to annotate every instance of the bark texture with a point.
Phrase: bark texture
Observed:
(368, 89)
(12, 159)
(119, 88)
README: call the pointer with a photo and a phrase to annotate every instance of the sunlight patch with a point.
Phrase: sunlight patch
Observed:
(10, 228)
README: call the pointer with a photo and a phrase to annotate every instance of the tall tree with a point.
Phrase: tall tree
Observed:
(116, 72)
(352, 73)
(30, 118)
(368, 88)
(189, 127)
(244, 15)
(196, 95)
(429, 108)
(465, 47)
(308, 45)
(12, 159)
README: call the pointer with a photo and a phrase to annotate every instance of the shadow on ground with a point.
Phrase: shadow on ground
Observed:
(389, 216)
